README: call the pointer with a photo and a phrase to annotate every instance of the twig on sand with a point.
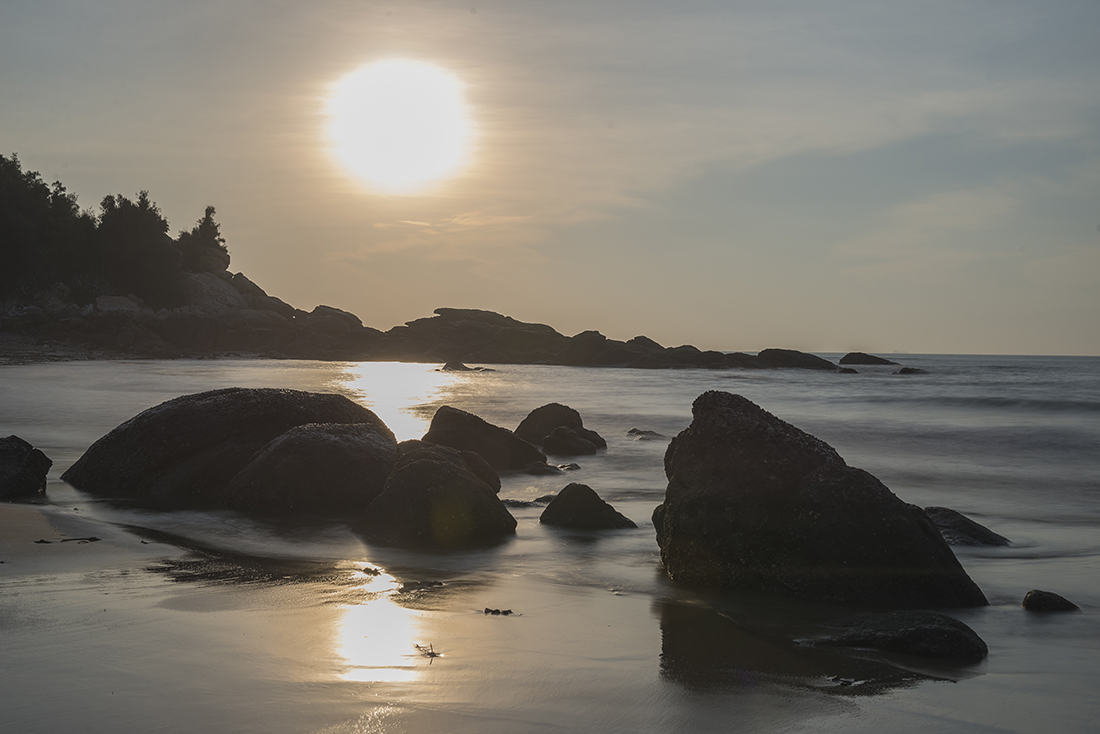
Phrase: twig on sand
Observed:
(428, 652)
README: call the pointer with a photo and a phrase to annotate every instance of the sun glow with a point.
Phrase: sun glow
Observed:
(399, 125)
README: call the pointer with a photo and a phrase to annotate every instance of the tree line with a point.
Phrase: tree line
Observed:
(124, 249)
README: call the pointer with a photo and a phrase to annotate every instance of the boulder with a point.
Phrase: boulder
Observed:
(435, 504)
(863, 358)
(330, 469)
(564, 441)
(464, 431)
(184, 452)
(578, 506)
(918, 632)
(1047, 601)
(541, 421)
(754, 503)
(414, 450)
(23, 469)
(958, 529)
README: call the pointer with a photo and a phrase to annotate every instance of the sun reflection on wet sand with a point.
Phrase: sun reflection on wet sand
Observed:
(377, 638)
(400, 393)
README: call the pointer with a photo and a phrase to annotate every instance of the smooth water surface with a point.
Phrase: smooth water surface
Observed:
(303, 628)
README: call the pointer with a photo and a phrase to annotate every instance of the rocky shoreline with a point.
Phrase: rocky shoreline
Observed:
(227, 315)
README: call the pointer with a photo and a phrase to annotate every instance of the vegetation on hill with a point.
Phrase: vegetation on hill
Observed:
(45, 238)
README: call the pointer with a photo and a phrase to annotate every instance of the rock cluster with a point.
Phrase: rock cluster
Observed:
(754, 503)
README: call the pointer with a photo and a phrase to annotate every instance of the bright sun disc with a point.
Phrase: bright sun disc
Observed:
(399, 124)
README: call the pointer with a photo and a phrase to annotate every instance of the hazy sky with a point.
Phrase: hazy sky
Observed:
(824, 176)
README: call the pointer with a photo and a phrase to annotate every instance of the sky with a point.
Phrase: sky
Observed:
(878, 176)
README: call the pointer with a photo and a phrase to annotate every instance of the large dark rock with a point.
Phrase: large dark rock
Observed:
(578, 506)
(564, 441)
(791, 358)
(332, 469)
(23, 469)
(755, 503)
(863, 358)
(464, 431)
(958, 529)
(918, 632)
(185, 451)
(435, 504)
(541, 422)
(415, 450)
(1047, 601)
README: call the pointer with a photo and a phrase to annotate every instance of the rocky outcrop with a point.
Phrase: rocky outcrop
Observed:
(754, 503)
(863, 358)
(23, 469)
(186, 451)
(1047, 601)
(435, 504)
(579, 507)
(542, 421)
(326, 469)
(464, 431)
(918, 632)
(958, 529)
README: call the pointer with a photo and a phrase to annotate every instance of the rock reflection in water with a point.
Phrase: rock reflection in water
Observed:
(703, 648)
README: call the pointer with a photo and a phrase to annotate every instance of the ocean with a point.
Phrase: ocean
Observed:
(239, 625)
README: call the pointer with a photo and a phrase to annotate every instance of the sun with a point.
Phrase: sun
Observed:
(399, 125)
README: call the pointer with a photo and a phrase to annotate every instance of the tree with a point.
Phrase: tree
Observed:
(203, 248)
(137, 254)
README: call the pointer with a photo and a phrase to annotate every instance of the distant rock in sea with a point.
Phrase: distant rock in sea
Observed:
(754, 503)
(863, 358)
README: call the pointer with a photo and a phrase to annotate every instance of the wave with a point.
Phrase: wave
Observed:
(1040, 405)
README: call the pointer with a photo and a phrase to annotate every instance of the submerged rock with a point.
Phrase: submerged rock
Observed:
(435, 504)
(958, 529)
(317, 469)
(564, 441)
(910, 371)
(464, 431)
(754, 503)
(578, 506)
(919, 632)
(184, 452)
(1047, 601)
(542, 421)
(23, 469)
(541, 468)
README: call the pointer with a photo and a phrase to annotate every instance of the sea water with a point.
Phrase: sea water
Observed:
(600, 639)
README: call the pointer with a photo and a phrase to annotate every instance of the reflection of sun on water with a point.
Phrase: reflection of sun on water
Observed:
(377, 638)
(398, 392)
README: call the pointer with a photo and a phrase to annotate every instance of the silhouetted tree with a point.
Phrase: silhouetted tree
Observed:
(44, 237)
(138, 255)
(203, 248)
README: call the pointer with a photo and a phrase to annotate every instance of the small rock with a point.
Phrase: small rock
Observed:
(541, 468)
(23, 469)
(564, 441)
(578, 506)
(1047, 601)
(910, 371)
(643, 435)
